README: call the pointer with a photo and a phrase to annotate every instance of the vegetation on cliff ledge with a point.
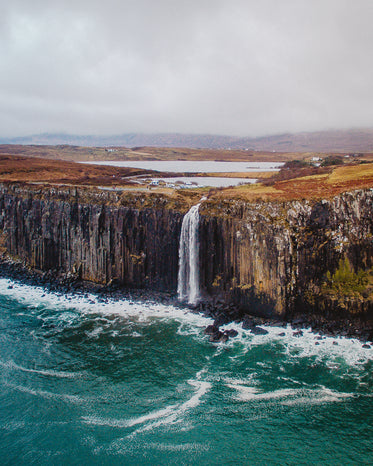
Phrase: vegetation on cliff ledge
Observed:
(346, 282)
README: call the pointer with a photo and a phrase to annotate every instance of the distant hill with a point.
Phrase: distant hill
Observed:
(355, 140)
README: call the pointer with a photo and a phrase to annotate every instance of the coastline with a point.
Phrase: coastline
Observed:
(222, 314)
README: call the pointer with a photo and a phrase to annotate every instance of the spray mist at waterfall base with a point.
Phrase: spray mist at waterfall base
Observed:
(126, 382)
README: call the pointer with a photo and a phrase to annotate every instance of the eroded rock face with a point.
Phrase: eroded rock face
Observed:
(272, 258)
(265, 258)
(100, 243)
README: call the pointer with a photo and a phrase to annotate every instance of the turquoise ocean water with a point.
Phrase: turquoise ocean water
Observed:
(128, 383)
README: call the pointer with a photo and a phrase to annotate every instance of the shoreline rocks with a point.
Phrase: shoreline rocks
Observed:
(54, 282)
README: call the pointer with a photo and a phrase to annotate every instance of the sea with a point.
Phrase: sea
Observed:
(88, 381)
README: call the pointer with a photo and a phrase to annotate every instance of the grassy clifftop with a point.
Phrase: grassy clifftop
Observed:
(318, 186)
(294, 184)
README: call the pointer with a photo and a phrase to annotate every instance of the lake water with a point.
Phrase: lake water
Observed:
(201, 181)
(179, 166)
(88, 382)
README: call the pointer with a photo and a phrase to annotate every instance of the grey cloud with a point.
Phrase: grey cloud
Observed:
(230, 67)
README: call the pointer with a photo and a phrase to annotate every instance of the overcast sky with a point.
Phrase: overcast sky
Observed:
(239, 67)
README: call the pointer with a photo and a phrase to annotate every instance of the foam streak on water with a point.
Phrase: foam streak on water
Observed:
(93, 381)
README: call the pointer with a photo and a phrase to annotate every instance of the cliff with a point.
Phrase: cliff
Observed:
(281, 257)
(94, 235)
(263, 258)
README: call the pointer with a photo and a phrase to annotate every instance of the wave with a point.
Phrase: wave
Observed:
(68, 304)
(69, 307)
(336, 350)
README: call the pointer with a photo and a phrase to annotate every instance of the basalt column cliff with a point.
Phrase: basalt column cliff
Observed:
(92, 235)
(282, 258)
(265, 258)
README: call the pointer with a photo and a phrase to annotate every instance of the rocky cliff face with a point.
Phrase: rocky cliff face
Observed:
(94, 237)
(274, 258)
(267, 258)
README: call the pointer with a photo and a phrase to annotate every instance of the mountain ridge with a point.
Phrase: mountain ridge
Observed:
(352, 140)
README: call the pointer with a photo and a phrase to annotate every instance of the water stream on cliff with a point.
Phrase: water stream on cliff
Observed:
(84, 380)
(188, 276)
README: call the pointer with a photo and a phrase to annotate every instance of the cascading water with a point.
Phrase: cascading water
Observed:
(188, 278)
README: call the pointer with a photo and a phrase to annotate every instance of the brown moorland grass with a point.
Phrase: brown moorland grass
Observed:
(320, 186)
(27, 169)
(77, 153)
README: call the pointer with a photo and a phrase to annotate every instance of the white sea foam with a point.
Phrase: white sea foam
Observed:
(287, 396)
(66, 305)
(172, 414)
(331, 349)
(48, 373)
(96, 332)
(121, 423)
(46, 394)
(318, 397)
(246, 393)
(334, 350)
(194, 447)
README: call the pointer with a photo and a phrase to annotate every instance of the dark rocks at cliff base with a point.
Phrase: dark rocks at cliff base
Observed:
(211, 329)
(217, 335)
(221, 319)
(275, 323)
(65, 284)
(298, 321)
(253, 324)
(258, 331)
(224, 338)
(249, 322)
(298, 334)
(366, 346)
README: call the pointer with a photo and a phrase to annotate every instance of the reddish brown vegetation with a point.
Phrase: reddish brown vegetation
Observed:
(17, 168)
(76, 153)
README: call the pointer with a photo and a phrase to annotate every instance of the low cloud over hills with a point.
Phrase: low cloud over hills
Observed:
(358, 140)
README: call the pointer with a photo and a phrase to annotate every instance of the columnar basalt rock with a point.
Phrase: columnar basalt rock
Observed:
(263, 258)
(100, 242)
(272, 258)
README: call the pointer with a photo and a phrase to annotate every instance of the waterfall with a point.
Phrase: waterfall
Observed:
(188, 278)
